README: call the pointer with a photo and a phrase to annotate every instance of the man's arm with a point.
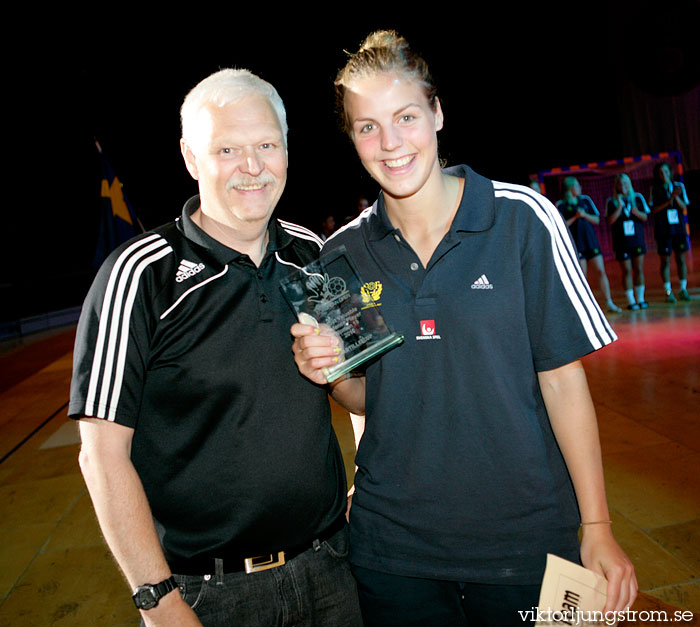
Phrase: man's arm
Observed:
(125, 516)
(572, 416)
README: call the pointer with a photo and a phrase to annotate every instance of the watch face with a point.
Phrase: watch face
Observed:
(145, 597)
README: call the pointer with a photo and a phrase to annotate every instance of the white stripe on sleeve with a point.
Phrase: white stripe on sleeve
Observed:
(593, 321)
(115, 309)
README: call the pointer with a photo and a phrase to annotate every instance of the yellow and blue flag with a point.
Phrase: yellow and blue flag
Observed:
(118, 222)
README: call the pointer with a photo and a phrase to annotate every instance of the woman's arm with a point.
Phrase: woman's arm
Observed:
(640, 212)
(588, 216)
(350, 393)
(616, 205)
(572, 416)
(676, 194)
(587, 210)
(313, 351)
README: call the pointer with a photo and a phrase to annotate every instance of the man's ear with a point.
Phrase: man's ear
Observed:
(190, 159)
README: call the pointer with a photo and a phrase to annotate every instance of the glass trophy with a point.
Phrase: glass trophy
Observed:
(330, 295)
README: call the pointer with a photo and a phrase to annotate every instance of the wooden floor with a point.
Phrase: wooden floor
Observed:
(56, 569)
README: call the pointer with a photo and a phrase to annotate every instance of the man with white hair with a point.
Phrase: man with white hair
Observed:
(211, 462)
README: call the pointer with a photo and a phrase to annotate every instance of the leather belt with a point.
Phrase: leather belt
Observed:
(207, 565)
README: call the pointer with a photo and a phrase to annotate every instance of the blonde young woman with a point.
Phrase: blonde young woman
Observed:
(480, 451)
(626, 213)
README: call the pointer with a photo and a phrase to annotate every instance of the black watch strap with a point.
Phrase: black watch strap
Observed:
(165, 586)
(147, 596)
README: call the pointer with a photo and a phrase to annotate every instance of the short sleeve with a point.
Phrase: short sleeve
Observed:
(562, 208)
(641, 203)
(113, 335)
(609, 207)
(563, 317)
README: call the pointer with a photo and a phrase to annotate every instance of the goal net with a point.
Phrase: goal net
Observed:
(597, 181)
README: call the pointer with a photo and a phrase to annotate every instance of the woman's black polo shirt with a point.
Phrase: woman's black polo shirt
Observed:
(188, 343)
(459, 476)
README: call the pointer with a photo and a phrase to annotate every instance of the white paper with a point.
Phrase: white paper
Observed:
(571, 595)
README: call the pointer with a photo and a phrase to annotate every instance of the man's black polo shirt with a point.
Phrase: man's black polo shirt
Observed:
(187, 342)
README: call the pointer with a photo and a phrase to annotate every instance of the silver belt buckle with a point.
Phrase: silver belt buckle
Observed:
(263, 562)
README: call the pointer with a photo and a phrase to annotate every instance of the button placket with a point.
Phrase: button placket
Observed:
(263, 298)
(416, 270)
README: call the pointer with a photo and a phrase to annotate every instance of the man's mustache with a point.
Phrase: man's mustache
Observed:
(265, 178)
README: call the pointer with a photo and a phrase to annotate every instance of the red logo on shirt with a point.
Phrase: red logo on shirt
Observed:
(427, 327)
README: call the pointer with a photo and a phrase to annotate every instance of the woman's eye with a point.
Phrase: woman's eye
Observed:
(367, 128)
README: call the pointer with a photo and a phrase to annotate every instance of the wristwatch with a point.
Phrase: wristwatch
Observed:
(147, 596)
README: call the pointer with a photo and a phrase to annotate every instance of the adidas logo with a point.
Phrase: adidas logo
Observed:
(482, 283)
(188, 269)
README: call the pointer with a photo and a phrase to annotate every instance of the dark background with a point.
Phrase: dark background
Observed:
(522, 90)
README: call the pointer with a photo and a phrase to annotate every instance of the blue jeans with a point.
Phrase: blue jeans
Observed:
(315, 589)
(397, 601)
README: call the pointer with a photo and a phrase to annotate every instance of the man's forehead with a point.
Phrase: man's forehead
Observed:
(253, 110)
(248, 119)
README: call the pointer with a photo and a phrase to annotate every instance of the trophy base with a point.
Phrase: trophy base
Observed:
(338, 370)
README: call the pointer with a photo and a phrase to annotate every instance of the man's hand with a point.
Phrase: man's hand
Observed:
(171, 610)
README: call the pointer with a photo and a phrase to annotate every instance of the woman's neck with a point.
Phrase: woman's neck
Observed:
(426, 216)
